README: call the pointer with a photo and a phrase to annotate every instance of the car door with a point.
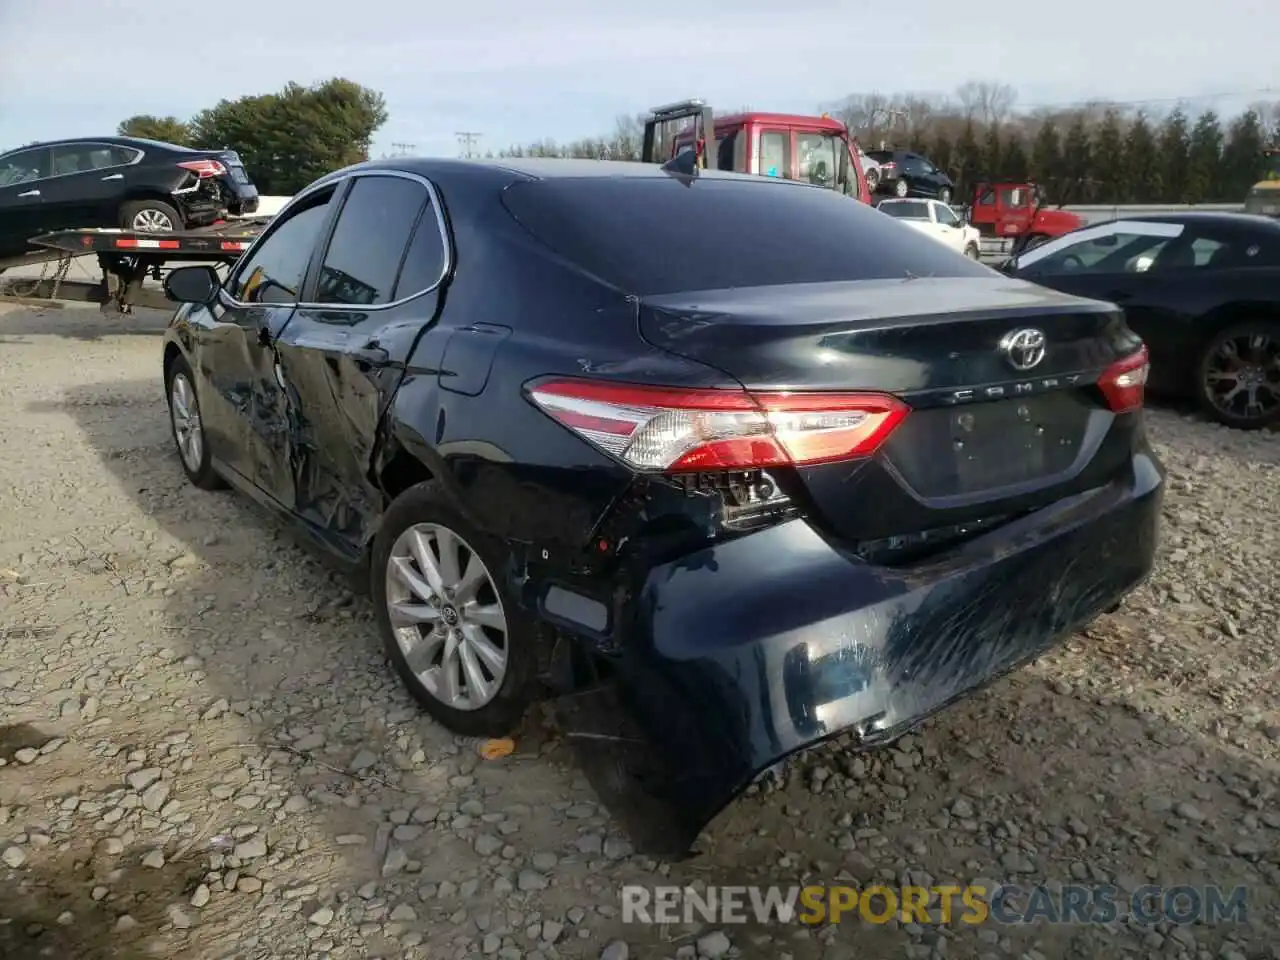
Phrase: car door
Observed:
(1128, 263)
(23, 177)
(235, 365)
(915, 173)
(947, 225)
(341, 356)
(86, 185)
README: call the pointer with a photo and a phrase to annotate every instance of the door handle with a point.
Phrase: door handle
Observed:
(30, 193)
(115, 176)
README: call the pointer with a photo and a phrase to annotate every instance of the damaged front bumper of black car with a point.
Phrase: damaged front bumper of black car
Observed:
(746, 652)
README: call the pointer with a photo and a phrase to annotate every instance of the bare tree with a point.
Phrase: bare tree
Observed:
(986, 102)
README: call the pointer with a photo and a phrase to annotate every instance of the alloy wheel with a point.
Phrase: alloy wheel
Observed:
(447, 617)
(187, 429)
(152, 221)
(1242, 376)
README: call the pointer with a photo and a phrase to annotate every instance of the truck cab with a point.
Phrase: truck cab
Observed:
(1264, 197)
(1011, 217)
(791, 146)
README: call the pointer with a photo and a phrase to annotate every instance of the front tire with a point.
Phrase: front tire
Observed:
(150, 216)
(1238, 375)
(453, 632)
(187, 428)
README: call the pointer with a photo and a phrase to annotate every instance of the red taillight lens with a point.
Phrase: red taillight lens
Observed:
(671, 429)
(1124, 382)
(204, 168)
(888, 165)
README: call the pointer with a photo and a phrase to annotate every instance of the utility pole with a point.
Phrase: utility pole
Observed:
(466, 141)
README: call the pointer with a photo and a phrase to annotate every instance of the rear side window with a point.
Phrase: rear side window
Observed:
(425, 262)
(906, 209)
(369, 241)
(651, 236)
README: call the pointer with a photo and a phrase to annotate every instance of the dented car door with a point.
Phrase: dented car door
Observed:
(342, 355)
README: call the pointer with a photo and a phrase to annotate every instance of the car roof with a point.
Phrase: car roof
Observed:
(1207, 218)
(549, 168)
(138, 142)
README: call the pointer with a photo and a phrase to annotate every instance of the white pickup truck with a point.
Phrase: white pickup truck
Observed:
(937, 220)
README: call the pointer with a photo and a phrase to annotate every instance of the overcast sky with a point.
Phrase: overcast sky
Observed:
(520, 71)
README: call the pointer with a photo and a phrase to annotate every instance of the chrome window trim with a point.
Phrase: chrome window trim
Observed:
(433, 197)
(77, 144)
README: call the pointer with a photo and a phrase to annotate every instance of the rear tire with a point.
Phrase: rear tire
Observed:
(945, 195)
(972, 252)
(1244, 357)
(449, 643)
(873, 180)
(150, 216)
(187, 429)
(901, 189)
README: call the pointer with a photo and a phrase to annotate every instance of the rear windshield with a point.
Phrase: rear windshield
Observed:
(654, 235)
(880, 156)
(906, 209)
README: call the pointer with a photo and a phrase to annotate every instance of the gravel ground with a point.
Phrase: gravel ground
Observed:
(202, 753)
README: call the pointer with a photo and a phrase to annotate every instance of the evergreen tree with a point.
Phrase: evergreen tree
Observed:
(1108, 159)
(967, 158)
(1140, 179)
(992, 155)
(1172, 157)
(1077, 162)
(1204, 159)
(941, 155)
(164, 129)
(1014, 163)
(1242, 156)
(1046, 154)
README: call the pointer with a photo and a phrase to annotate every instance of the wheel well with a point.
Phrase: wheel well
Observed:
(171, 353)
(402, 472)
(148, 194)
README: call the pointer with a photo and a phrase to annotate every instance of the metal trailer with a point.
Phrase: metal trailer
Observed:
(126, 258)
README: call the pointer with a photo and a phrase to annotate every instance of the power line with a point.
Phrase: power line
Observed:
(467, 139)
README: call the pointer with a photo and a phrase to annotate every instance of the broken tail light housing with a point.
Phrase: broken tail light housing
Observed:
(204, 168)
(1123, 384)
(681, 430)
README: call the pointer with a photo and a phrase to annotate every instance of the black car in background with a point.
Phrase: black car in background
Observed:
(125, 182)
(906, 174)
(1201, 289)
(745, 490)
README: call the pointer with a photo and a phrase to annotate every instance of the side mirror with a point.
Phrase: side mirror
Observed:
(197, 284)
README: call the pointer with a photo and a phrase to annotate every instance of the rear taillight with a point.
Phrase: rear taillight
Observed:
(204, 168)
(1123, 383)
(671, 429)
(889, 165)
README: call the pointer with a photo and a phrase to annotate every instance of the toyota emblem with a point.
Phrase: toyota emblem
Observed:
(1024, 349)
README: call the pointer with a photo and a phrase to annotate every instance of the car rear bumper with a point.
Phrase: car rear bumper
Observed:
(749, 651)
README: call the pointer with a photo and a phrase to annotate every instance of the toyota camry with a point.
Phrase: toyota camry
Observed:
(765, 463)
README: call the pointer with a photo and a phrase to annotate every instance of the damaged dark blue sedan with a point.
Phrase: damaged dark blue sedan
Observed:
(739, 460)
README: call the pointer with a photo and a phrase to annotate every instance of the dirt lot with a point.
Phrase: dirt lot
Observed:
(204, 755)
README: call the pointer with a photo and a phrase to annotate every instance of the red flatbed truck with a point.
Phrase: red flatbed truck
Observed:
(792, 146)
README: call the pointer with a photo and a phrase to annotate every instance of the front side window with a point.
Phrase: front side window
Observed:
(24, 166)
(363, 260)
(1135, 248)
(275, 271)
(818, 158)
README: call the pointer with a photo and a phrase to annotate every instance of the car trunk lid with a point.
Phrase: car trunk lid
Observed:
(990, 432)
